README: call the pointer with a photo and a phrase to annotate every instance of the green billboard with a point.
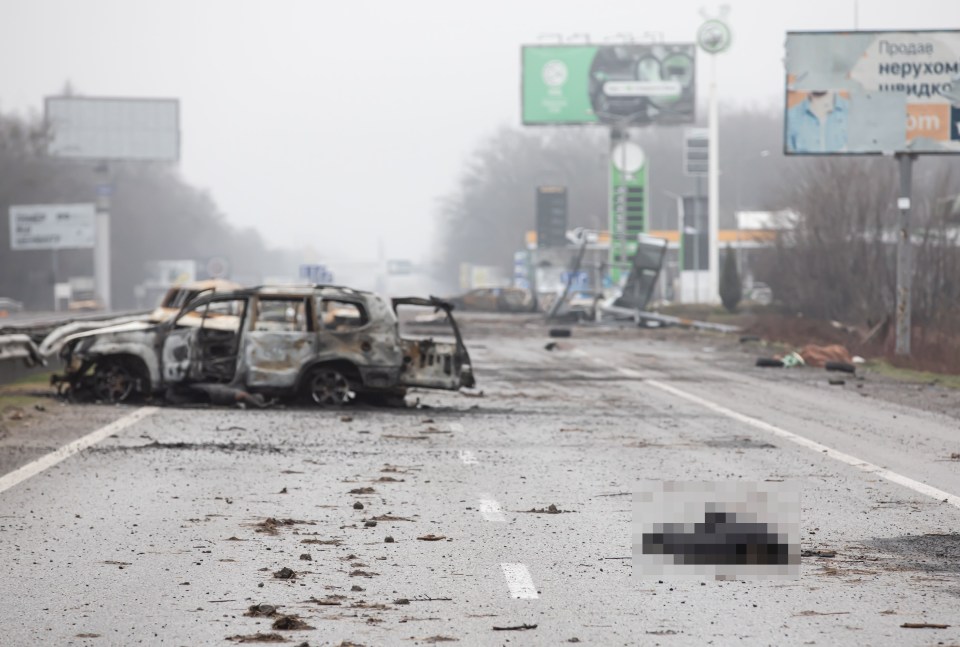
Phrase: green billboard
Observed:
(624, 85)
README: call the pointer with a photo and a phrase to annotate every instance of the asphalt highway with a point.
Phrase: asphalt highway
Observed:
(432, 524)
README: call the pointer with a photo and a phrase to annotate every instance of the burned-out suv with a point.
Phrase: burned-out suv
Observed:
(326, 343)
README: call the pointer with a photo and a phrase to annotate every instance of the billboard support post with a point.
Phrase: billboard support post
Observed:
(714, 37)
(904, 254)
(713, 191)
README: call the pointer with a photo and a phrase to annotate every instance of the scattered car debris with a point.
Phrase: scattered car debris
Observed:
(346, 418)
(431, 537)
(258, 638)
(551, 509)
(818, 356)
(256, 610)
(362, 490)
(359, 573)
(748, 338)
(290, 623)
(270, 524)
(322, 542)
(329, 601)
(560, 332)
(844, 367)
(390, 517)
(769, 362)
(307, 557)
(923, 625)
(440, 639)
(818, 553)
(836, 381)
(401, 601)
(551, 345)
(356, 588)
(285, 574)
(358, 506)
(388, 539)
(523, 627)
(370, 524)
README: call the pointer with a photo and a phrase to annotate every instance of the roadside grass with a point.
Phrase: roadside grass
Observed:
(885, 368)
(24, 393)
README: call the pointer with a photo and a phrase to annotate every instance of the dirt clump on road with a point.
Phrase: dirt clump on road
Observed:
(290, 623)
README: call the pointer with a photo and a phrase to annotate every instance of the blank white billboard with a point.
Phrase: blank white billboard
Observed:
(52, 226)
(114, 129)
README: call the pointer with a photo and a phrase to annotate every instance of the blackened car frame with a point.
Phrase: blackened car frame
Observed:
(324, 343)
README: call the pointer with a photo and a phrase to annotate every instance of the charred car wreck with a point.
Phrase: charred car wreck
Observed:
(326, 344)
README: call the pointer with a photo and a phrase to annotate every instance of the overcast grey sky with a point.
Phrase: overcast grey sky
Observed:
(335, 123)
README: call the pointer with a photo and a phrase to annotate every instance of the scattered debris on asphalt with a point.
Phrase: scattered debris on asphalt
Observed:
(257, 610)
(748, 338)
(551, 345)
(560, 332)
(818, 553)
(551, 509)
(923, 625)
(440, 639)
(285, 574)
(362, 490)
(390, 517)
(822, 613)
(258, 638)
(401, 601)
(358, 506)
(346, 418)
(307, 557)
(817, 356)
(844, 367)
(329, 601)
(431, 537)
(388, 539)
(370, 524)
(769, 362)
(290, 623)
(522, 627)
(270, 524)
(322, 542)
(359, 573)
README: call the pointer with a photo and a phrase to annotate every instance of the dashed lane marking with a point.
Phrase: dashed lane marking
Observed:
(853, 461)
(490, 509)
(49, 460)
(519, 582)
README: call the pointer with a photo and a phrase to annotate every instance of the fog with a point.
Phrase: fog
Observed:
(338, 126)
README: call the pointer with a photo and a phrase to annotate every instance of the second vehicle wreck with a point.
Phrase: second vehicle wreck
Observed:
(324, 343)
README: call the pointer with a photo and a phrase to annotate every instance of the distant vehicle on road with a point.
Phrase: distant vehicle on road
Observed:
(327, 344)
(495, 300)
(8, 305)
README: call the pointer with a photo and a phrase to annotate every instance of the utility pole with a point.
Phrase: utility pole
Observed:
(904, 254)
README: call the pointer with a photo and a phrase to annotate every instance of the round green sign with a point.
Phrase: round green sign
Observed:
(714, 36)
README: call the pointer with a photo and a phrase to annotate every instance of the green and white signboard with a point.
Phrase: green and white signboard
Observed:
(623, 85)
(628, 201)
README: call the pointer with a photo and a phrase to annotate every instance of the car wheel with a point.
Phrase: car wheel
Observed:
(328, 387)
(113, 381)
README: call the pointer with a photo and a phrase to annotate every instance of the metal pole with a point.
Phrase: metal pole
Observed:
(697, 226)
(101, 248)
(904, 255)
(54, 269)
(713, 189)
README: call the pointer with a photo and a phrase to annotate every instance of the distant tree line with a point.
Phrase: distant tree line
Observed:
(155, 215)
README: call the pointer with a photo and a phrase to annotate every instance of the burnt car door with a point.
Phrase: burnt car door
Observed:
(432, 363)
(202, 343)
(282, 338)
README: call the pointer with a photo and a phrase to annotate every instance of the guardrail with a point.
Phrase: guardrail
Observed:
(23, 340)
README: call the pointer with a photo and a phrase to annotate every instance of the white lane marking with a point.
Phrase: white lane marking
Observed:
(468, 457)
(490, 509)
(49, 460)
(519, 581)
(853, 461)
